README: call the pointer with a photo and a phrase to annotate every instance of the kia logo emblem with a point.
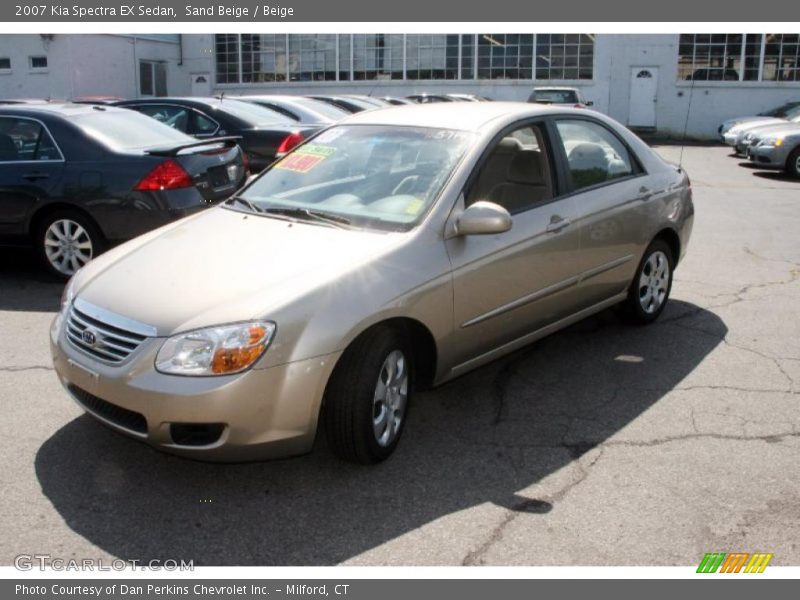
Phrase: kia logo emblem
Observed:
(89, 336)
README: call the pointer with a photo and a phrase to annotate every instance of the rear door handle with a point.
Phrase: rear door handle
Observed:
(644, 193)
(557, 223)
(35, 176)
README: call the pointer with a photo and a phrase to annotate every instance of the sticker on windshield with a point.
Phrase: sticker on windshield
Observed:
(413, 207)
(306, 158)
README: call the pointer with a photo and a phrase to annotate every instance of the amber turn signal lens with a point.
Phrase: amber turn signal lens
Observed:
(228, 360)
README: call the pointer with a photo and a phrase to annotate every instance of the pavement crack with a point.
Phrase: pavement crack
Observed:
(20, 369)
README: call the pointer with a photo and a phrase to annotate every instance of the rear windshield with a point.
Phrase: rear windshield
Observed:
(557, 96)
(128, 130)
(253, 114)
(322, 108)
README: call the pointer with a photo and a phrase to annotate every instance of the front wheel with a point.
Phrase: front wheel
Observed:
(793, 163)
(651, 285)
(368, 396)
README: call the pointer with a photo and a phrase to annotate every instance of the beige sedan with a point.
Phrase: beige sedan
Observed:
(395, 250)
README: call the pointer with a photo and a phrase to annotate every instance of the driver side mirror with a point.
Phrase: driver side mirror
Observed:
(589, 103)
(483, 218)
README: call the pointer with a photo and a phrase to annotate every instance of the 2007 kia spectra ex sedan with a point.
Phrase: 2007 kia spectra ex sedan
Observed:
(398, 249)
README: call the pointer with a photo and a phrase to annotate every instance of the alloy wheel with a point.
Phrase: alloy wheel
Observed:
(67, 246)
(391, 396)
(654, 282)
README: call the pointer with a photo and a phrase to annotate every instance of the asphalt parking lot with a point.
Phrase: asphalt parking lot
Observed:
(600, 445)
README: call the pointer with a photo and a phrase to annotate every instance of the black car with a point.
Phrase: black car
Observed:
(265, 134)
(77, 178)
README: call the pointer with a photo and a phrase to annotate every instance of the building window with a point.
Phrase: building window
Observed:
(249, 58)
(432, 56)
(739, 57)
(710, 56)
(377, 56)
(5, 63)
(782, 57)
(565, 56)
(37, 62)
(505, 56)
(152, 78)
(312, 57)
(227, 57)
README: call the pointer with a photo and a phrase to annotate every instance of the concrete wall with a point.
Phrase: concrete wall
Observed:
(80, 65)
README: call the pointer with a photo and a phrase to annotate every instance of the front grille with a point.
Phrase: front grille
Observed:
(101, 340)
(117, 415)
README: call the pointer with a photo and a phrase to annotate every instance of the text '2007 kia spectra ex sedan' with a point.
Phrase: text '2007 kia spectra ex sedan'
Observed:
(398, 249)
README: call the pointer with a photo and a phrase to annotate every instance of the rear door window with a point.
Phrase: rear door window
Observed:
(176, 117)
(594, 154)
(26, 140)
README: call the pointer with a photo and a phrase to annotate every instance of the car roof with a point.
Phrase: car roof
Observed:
(66, 109)
(553, 88)
(466, 116)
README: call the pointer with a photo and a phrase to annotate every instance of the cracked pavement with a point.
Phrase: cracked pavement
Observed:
(600, 445)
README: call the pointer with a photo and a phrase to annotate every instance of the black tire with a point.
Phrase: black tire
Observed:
(634, 307)
(87, 234)
(349, 399)
(793, 163)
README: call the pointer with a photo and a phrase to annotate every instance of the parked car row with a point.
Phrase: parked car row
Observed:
(79, 177)
(770, 140)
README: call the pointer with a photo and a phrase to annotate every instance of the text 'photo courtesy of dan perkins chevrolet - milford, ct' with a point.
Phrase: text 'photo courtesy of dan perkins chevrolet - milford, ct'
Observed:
(230, 10)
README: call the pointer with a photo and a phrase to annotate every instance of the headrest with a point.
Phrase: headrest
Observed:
(589, 153)
(507, 145)
(526, 167)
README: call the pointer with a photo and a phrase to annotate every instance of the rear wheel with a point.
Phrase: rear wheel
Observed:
(66, 240)
(651, 285)
(368, 396)
(793, 163)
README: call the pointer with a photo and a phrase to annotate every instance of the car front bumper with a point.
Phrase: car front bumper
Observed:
(768, 157)
(258, 414)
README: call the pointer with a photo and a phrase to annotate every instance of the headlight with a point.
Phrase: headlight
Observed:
(215, 350)
(771, 142)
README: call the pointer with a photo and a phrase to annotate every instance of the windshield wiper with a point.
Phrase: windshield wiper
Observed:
(245, 201)
(308, 214)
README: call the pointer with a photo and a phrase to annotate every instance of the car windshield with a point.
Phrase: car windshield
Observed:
(128, 130)
(793, 113)
(557, 96)
(253, 114)
(372, 176)
(781, 111)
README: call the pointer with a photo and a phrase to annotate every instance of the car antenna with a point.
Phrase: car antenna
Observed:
(686, 122)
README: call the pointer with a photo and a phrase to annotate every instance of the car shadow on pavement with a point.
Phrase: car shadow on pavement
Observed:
(25, 283)
(483, 438)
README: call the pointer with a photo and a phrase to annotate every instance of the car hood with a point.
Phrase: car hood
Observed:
(747, 126)
(775, 129)
(224, 266)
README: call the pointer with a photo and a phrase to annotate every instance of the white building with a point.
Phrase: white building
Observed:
(650, 81)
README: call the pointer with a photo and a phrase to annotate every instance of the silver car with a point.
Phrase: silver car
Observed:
(735, 135)
(746, 138)
(777, 149)
(394, 251)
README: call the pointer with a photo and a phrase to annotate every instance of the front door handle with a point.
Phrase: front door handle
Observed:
(35, 176)
(557, 223)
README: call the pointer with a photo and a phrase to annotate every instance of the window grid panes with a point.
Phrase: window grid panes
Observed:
(565, 56)
(377, 56)
(782, 57)
(252, 58)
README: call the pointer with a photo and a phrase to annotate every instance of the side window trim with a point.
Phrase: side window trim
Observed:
(195, 113)
(44, 129)
(570, 190)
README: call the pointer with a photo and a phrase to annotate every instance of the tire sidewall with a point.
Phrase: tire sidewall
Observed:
(792, 166)
(394, 340)
(634, 306)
